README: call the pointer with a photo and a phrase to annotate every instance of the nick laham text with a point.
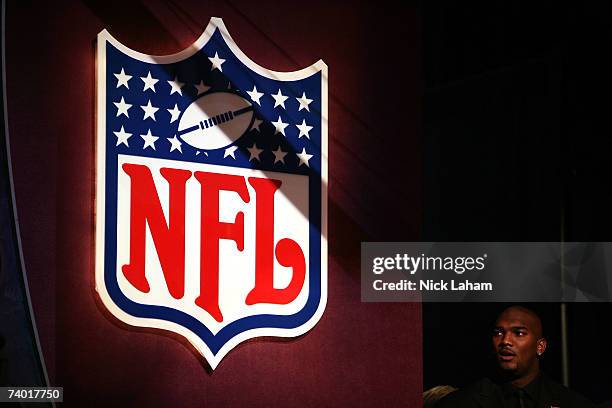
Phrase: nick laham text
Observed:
(430, 285)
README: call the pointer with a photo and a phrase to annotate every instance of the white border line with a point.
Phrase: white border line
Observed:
(26, 285)
(103, 37)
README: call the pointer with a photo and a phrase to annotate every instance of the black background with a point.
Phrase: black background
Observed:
(517, 147)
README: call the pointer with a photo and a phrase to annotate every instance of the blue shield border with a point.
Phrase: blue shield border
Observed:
(212, 347)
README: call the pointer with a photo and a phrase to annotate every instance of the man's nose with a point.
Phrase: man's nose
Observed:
(506, 338)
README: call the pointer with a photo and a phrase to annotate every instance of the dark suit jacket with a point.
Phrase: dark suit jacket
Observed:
(482, 394)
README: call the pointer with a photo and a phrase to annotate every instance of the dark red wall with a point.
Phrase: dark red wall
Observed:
(358, 354)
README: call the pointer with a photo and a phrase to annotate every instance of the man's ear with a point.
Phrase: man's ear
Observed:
(541, 346)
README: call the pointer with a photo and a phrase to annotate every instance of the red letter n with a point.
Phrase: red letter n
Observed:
(168, 237)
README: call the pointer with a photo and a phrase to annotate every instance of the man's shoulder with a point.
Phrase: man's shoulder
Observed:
(562, 395)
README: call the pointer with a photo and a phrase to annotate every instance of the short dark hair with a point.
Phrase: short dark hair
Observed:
(529, 310)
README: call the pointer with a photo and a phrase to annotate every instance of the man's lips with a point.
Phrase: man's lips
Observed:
(505, 355)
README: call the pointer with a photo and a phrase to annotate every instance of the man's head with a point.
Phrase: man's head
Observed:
(518, 342)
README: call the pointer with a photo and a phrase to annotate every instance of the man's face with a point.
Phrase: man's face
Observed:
(517, 338)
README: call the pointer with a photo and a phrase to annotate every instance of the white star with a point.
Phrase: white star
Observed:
(304, 157)
(279, 99)
(201, 87)
(122, 137)
(175, 144)
(122, 79)
(175, 86)
(122, 107)
(149, 110)
(255, 95)
(304, 102)
(280, 126)
(255, 152)
(149, 82)
(175, 112)
(279, 155)
(230, 152)
(216, 62)
(149, 140)
(304, 129)
(256, 124)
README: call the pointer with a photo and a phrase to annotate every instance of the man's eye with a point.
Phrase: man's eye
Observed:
(497, 332)
(521, 333)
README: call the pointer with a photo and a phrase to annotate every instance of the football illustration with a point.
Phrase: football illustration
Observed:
(215, 120)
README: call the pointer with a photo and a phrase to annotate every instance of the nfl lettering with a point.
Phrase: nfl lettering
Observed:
(170, 240)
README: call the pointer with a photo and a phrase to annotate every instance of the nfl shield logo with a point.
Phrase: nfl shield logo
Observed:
(211, 192)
